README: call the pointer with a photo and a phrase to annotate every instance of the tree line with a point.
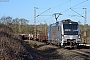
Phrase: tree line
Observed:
(21, 25)
(82, 28)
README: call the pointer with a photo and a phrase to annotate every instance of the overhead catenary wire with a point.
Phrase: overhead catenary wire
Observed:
(71, 7)
(61, 4)
(75, 5)
(77, 13)
(53, 8)
(79, 3)
(43, 12)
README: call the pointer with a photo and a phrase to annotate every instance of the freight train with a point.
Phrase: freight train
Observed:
(64, 33)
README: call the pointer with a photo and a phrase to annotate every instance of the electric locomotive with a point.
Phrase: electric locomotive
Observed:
(64, 33)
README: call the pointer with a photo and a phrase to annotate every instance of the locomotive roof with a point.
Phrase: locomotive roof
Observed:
(66, 21)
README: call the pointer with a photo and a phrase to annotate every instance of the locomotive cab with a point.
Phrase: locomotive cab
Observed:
(71, 34)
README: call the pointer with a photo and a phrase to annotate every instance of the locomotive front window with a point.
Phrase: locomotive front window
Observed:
(70, 29)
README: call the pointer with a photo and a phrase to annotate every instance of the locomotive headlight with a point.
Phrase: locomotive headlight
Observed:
(62, 36)
(79, 36)
(70, 23)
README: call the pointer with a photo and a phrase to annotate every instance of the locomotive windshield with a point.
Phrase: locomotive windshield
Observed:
(70, 29)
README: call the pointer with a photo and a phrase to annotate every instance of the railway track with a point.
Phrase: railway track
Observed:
(81, 53)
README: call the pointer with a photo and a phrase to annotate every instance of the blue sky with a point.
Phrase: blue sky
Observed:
(25, 9)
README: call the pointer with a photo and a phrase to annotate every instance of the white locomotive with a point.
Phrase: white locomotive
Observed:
(64, 33)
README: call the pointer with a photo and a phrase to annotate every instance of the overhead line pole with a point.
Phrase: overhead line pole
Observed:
(35, 28)
(35, 36)
(85, 35)
(85, 15)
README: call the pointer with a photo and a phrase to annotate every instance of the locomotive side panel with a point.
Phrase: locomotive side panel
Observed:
(54, 33)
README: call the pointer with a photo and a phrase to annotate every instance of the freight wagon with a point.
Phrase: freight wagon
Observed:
(42, 37)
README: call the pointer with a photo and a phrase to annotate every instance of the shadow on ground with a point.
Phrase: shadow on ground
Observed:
(51, 53)
(83, 47)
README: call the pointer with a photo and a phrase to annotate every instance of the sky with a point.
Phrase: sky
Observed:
(46, 9)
